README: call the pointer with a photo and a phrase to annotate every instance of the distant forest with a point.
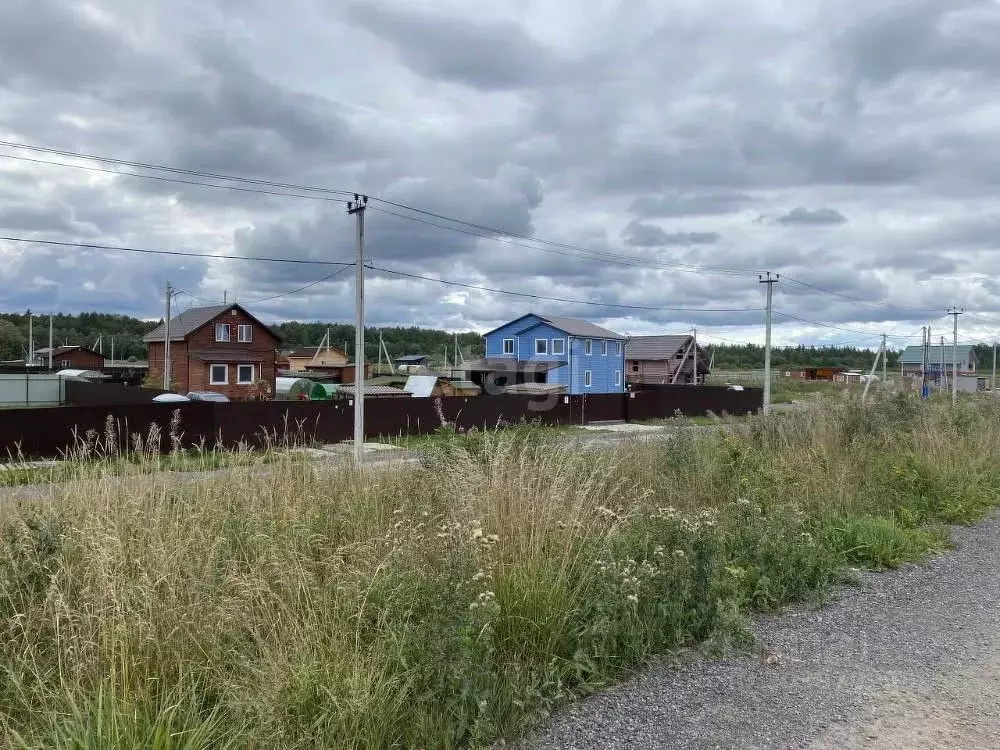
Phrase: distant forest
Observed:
(127, 332)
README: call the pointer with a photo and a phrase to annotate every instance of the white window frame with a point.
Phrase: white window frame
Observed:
(503, 347)
(66, 363)
(562, 347)
(219, 327)
(588, 347)
(618, 350)
(239, 380)
(542, 346)
(239, 333)
(211, 374)
(618, 378)
(586, 379)
(604, 348)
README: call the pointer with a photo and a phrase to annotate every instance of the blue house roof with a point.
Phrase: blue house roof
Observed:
(571, 326)
(411, 359)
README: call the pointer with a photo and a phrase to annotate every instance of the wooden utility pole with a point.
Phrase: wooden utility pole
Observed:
(694, 361)
(879, 353)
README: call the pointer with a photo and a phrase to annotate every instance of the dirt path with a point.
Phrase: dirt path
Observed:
(909, 660)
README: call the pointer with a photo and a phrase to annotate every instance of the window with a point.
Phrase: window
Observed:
(586, 378)
(66, 363)
(541, 346)
(604, 348)
(508, 346)
(635, 367)
(222, 331)
(588, 346)
(558, 346)
(244, 334)
(618, 377)
(244, 373)
(219, 375)
(618, 349)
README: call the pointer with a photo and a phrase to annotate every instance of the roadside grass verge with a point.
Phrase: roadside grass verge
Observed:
(109, 454)
(456, 603)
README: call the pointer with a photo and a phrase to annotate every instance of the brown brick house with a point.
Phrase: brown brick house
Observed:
(220, 348)
(70, 358)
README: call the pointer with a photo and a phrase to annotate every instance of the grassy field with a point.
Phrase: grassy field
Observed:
(456, 603)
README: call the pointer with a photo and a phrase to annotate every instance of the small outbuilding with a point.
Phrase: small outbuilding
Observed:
(298, 389)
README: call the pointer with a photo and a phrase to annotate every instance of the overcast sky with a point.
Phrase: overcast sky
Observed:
(851, 145)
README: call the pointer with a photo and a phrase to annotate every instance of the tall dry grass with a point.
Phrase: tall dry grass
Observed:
(298, 606)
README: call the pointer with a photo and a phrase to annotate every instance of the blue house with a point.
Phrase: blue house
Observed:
(551, 353)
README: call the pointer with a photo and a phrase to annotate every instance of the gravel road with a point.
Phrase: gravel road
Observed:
(909, 660)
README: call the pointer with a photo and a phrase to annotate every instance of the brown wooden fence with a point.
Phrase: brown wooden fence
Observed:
(49, 432)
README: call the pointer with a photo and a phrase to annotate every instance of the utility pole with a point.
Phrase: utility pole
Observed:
(770, 281)
(112, 348)
(880, 352)
(993, 380)
(885, 352)
(954, 312)
(694, 362)
(50, 342)
(166, 340)
(944, 373)
(924, 341)
(31, 341)
(357, 208)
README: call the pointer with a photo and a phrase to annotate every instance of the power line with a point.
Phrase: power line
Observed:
(872, 305)
(615, 257)
(559, 299)
(160, 178)
(301, 288)
(172, 170)
(624, 260)
(325, 195)
(182, 253)
(597, 255)
(836, 328)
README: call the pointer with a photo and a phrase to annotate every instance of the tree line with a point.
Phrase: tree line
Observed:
(84, 329)
(751, 357)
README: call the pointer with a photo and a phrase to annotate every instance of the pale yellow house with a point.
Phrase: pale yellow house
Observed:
(316, 356)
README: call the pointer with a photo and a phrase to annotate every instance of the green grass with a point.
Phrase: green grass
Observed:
(19, 473)
(455, 603)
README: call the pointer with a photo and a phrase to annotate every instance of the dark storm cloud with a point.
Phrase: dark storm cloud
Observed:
(486, 55)
(56, 44)
(812, 217)
(639, 234)
(923, 36)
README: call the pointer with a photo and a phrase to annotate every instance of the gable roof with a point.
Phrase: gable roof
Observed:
(572, 326)
(191, 320)
(656, 347)
(914, 355)
(411, 358)
(579, 327)
(60, 350)
(312, 351)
